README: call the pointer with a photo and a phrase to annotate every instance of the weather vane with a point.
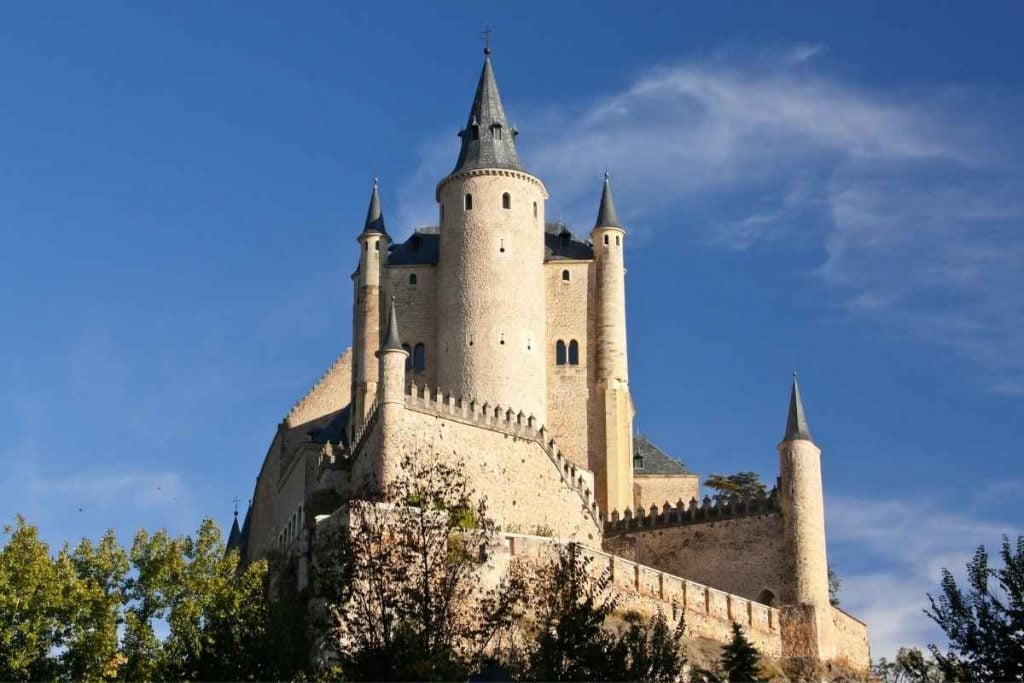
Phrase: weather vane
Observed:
(485, 36)
(236, 501)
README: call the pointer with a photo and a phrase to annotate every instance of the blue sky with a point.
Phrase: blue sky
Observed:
(830, 188)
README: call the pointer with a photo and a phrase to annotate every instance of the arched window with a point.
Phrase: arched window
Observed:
(469, 202)
(413, 279)
(559, 352)
(408, 358)
(506, 201)
(376, 245)
(565, 276)
(574, 352)
(419, 358)
(766, 598)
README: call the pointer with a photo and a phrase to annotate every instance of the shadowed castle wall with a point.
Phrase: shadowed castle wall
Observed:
(744, 555)
(658, 489)
(491, 342)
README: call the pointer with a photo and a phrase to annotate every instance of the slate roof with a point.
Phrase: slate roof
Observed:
(796, 420)
(607, 216)
(560, 243)
(374, 214)
(487, 140)
(656, 461)
(422, 248)
(334, 431)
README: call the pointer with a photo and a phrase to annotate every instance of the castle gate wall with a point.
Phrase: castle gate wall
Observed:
(743, 555)
(570, 316)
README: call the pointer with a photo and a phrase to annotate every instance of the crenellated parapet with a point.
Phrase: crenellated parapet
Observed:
(506, 420)
(694, 512)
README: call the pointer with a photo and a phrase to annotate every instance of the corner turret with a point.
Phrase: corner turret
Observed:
(366, 320)
(615, 474)
(803, 513)
(392, 357)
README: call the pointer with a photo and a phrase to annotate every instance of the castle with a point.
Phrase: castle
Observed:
(497, 341)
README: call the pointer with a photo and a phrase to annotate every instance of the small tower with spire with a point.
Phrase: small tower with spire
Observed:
(615, 483)
(366, 319)
(390, 400)
(803, 513)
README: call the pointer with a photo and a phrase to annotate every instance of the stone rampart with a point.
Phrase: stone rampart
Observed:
(693, 512)
(512, 423)
(709, 613)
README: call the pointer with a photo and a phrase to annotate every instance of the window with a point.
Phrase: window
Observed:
(617, 240)
(419, 358)
(474, 132)
(376, 245)
(506, 201)
(766, 598)
(574, 352)
(408, 358)
(565, 276)
(413, 279)
(559, 352)
(606, 239)
(535, 209)
(469, 202)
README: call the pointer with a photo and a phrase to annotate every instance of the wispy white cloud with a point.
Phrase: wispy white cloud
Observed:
(134, 489)
(901, 547)
(912, 196)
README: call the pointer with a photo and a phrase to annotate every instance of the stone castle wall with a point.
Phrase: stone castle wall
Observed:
(655, 489)
(742, 555)
(572, 412)
(508, 458)
(416, 307)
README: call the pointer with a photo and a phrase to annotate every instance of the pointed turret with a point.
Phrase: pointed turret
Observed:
(487, 140)
(374, 215)
(235, 537)
(607, 217)
(796, 422)
(392, 341)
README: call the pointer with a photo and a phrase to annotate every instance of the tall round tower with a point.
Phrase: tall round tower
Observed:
(803, 513)
(366, 317)
(491, 280)
(615, 469)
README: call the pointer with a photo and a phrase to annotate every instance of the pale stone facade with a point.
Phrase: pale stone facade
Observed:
(497, 342)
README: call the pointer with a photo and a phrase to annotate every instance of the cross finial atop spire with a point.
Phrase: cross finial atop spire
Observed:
(236, 501)
(485, 35)
(796, 420)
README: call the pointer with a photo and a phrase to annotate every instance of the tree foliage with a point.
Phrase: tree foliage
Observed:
(739, 659)
(92, 612)
(910, 665)
(732, 485)
(985, 622)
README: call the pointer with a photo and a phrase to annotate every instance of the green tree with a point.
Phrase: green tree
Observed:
(732, 485)
(985, 623)
(33, 601)
(910, 665)
(835, 584)
(649, 652)
(739, 660)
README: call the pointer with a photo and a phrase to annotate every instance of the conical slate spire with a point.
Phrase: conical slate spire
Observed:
(487, 140)
(392, 340)
(374, 215)
(796, 422)
(607, 217)
(235, 537)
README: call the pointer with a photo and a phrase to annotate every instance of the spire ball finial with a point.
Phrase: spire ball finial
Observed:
(375, 181)
(486, 37)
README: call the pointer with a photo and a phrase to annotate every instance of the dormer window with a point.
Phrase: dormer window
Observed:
(496, 131)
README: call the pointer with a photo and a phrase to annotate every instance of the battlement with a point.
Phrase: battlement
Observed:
(693, 513)
(709, 612)
(507, 421)
(310, 406)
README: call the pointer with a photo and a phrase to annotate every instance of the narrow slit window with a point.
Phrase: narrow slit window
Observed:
(469, 203)
(565, 276)
(618, 240)
(574, 352)
(419, 358)
(506, 201)
(606, 239)
(559, 352)
(535, 209)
